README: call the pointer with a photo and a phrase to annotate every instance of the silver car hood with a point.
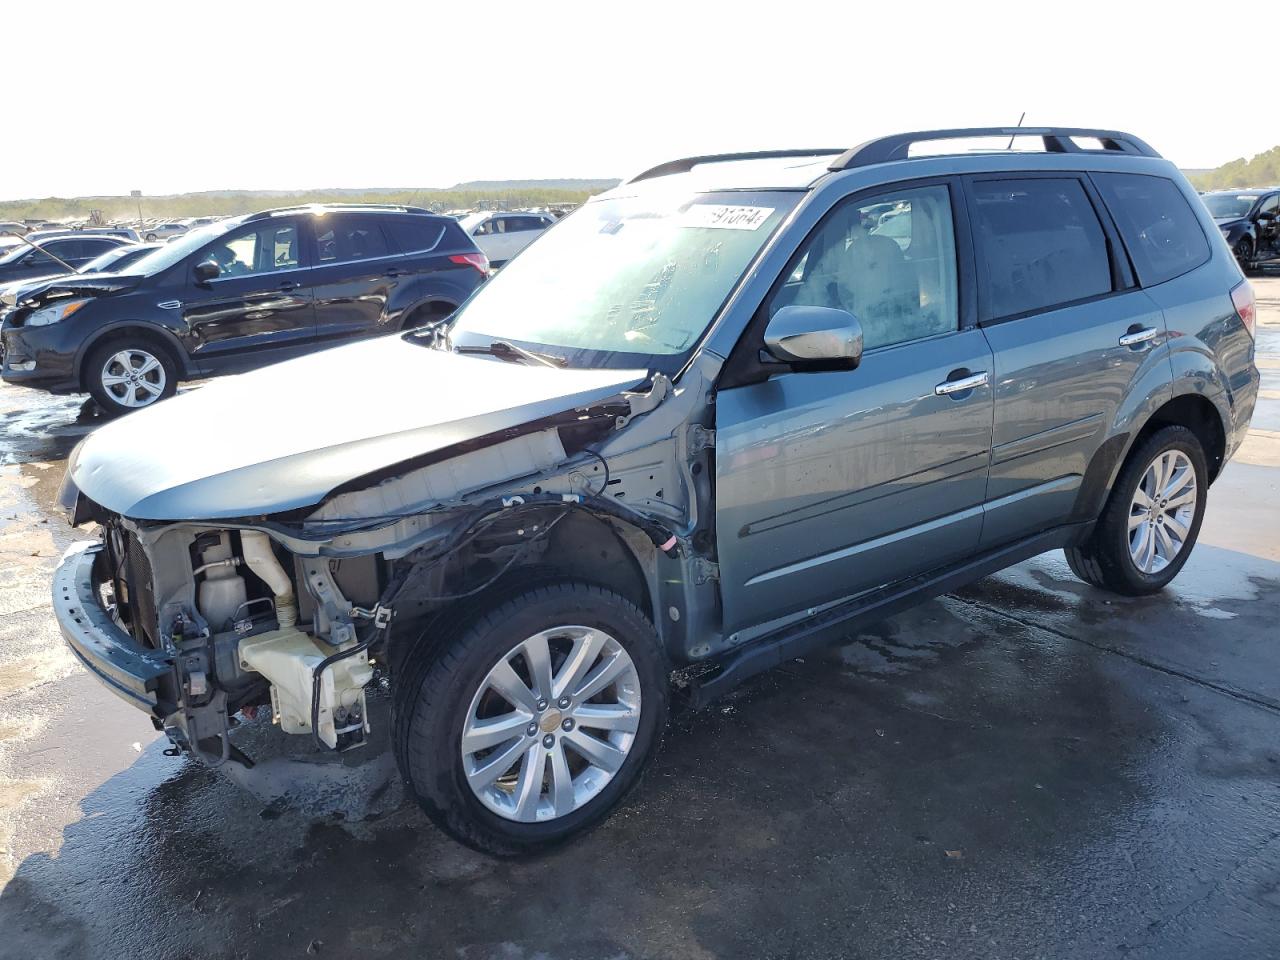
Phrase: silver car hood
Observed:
(284, 436)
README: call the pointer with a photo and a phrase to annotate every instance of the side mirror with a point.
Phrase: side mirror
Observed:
(207, 270)
(800, 334)
(1267, 215)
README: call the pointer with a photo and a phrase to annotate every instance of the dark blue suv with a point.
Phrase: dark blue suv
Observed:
(238, 294)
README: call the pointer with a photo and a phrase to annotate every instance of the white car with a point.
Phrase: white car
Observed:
(164, 231)
(501, 235)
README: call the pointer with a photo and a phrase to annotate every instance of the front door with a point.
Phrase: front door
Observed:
(1070, 333)
(259, 309)
(1269, 227)
(832, 483)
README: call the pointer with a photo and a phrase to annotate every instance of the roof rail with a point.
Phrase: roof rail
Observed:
(309, 207)
(688, 163)
(1056, 140)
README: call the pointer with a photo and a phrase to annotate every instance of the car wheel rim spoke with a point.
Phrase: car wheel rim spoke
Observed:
(484, 734)
(133, 378)
(526, 751)
(1162, 511)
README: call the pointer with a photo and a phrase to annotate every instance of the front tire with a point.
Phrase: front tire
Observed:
(129, 373)
(533, 723)
(1244, 254)
(1151, 521)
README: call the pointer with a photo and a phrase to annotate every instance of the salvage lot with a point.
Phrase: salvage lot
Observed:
(1029, 767)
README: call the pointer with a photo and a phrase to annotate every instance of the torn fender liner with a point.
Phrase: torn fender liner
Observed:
(284, 436)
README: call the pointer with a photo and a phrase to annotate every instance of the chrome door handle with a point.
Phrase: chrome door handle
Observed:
(1139, 336)
(959, 386)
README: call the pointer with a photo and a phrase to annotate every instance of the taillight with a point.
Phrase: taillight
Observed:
(477, 260)
(1246, 307)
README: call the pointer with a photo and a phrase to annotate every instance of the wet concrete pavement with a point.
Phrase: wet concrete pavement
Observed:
(1027, 768)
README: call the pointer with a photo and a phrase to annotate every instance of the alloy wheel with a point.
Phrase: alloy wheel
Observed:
(551, 724)
(133, 377)
(1162, 511)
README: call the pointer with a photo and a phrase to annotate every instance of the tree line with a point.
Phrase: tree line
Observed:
(1261, 171)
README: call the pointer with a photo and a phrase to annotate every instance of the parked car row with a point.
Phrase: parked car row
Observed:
(227, 297)
(718, 417)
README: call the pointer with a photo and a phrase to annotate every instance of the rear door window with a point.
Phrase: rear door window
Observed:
(1040, 244)
(1158, 226)
(342, 239)
(90, 249)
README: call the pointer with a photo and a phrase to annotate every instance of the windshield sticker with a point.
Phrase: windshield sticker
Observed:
(723, 217)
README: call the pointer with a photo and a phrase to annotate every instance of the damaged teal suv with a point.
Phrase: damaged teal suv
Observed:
(719, 416)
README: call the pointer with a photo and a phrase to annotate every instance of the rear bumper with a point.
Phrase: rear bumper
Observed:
(128, 669)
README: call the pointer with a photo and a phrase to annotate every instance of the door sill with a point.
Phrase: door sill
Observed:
(834, 623)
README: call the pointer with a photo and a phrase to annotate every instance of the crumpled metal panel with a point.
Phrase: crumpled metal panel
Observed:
(284, 436)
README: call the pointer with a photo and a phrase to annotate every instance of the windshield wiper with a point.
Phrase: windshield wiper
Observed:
(509, 351)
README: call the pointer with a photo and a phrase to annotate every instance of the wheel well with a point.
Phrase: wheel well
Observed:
(1200, 416)
(134, 334)
(427, 312)
(584, 547)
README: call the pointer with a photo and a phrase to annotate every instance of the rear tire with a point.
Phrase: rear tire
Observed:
(1146, 531)
(532, 787)
(427, 315)
(129, 373)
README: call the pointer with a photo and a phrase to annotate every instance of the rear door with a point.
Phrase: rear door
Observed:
(523, 231)
(356, 272)
(1071, 334)
(259, 309)
(505, 238)
(830, 483)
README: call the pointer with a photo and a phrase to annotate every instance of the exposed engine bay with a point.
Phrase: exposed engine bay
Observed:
(298, 612)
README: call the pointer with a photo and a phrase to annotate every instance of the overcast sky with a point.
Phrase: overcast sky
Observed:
(175, 96)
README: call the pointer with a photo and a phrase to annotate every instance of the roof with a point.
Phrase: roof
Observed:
(1244, 192)
(323, 208)
(802, 168)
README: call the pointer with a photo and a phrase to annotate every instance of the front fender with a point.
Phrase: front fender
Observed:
(186, 368)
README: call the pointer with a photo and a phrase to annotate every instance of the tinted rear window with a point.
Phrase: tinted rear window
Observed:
(1159, 227)
(415, 235)
(1041, 244)
(345, 239)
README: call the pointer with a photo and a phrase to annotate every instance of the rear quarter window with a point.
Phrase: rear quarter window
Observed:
(1160, 230)
(417, 235)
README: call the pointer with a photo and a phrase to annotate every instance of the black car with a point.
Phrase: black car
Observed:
(238, 294)
(1250, 220)
(24, 261)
